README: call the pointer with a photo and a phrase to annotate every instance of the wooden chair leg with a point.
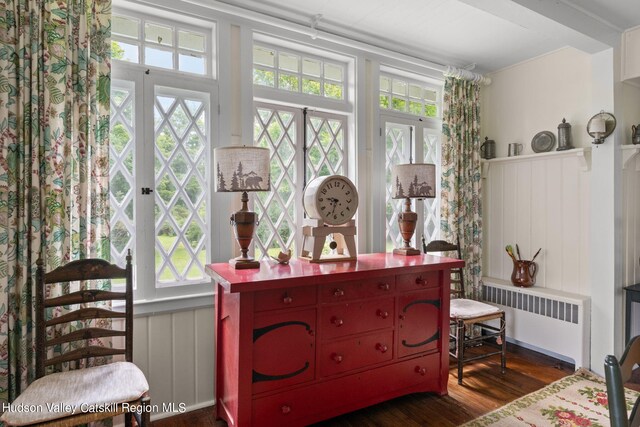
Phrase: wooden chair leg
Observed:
(503, 339)
(146, 412)
(460, 331)
(128, 419)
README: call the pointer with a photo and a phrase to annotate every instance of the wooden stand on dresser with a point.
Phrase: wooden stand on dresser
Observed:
(301, 343)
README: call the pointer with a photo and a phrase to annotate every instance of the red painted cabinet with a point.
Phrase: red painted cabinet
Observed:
(305, 342)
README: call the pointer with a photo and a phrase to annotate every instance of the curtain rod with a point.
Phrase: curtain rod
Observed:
(462, 74)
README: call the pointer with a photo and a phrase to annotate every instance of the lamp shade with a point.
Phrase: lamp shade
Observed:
(242, 169)
(414, 180)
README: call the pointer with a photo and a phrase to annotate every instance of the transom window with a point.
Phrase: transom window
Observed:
(156, 43)
(295, 72)
(407, 96)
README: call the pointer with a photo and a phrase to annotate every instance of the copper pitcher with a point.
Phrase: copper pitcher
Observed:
(524, 273)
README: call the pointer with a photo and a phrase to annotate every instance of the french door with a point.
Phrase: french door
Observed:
(162, 135)
(408, 140)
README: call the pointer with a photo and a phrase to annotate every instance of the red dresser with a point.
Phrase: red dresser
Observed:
(303, 342)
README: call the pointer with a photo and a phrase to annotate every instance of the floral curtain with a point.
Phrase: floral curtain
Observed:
(461, 207)
(54, 164)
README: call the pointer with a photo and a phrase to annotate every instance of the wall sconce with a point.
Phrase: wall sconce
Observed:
(601, 126)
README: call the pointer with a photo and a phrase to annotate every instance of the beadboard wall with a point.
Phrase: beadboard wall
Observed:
(175, 351)
(539, 201)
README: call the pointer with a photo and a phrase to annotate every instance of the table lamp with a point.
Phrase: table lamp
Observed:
(242, 169)
(412, 181)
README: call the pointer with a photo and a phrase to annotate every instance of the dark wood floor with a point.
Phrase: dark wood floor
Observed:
(483, 390)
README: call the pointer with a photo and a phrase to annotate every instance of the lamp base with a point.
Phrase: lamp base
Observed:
(244, 263)
(406, 251)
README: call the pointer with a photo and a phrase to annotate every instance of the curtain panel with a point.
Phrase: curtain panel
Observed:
(54, 164)
(461, 204)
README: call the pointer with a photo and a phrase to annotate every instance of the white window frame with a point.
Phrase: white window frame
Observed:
(411, 81)
(209, 53)
(145, 78)
(428, 124)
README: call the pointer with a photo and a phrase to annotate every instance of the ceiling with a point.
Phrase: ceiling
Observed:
(492, 34)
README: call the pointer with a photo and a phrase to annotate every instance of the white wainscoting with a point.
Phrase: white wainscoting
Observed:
(175, 350)
(539, 201)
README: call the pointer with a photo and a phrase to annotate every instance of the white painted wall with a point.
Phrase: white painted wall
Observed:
(602, 243)
(539, 202)
(536, 95)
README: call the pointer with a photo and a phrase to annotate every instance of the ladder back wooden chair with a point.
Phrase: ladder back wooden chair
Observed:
(465, 314)
(616, 374)
(83, 394)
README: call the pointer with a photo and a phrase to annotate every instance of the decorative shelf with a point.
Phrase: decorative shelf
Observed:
(630, 152)
(583, 154)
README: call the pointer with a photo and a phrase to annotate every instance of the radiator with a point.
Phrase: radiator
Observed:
(552, 321)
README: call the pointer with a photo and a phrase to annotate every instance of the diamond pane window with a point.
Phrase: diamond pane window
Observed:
(279, 129)
(431, 154)
(296, 72)
(122, 180)
(397, 139)
(275, 128)
(163, 45)
(181, 183)
(408, 96)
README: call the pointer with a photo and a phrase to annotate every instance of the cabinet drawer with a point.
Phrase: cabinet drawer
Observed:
(407, 282)
(354, 353)
(284, 298)
(283, 349)
(317, 402)
(346, 291)
(339, 320)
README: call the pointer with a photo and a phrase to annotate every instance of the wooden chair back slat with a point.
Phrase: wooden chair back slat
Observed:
(84, 353)
(85, 269)
(85, 334)
(85, 296)
(85, 314)
(82, 270)
(457, 278)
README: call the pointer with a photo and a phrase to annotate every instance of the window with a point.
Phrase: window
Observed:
(161, 190)
(407, 96)
(300, 73)
(284, 130)
(157, 43)
(405, 139)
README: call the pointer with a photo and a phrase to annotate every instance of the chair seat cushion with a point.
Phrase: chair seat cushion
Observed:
(467, 308)
(73, 392)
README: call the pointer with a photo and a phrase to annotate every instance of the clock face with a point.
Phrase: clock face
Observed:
(336, 200)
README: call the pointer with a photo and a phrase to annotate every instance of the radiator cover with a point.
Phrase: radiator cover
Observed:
(555, 321)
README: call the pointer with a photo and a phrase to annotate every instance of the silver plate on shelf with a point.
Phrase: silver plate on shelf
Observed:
(543, 142)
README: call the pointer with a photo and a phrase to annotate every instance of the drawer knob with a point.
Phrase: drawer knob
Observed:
(336, 357)
(381, 348)
(420, 281)
(336, 321)
(287, 299)
(421, 371)
(338, 293)
(384, 286)
(382, 314)
(285, 409)
(402, 317)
